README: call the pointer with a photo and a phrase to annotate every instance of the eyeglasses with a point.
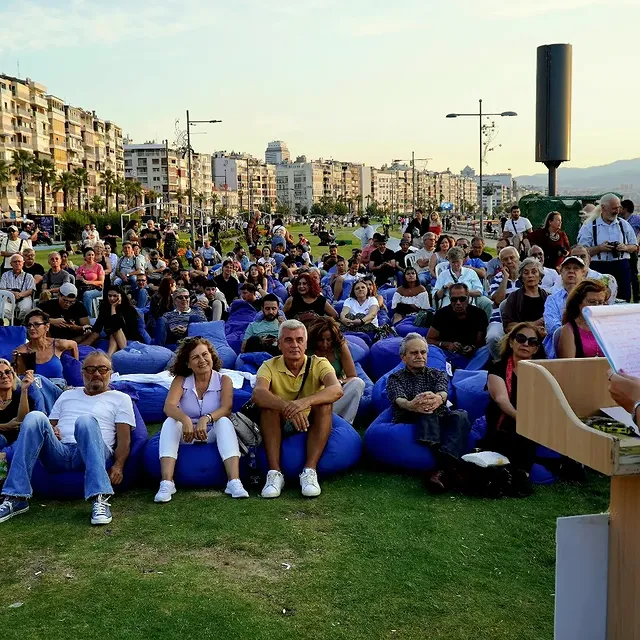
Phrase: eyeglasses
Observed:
(460, 299)
(7, 373)
(181, 298)
(34, 325)
(101, 369)
(520, 338)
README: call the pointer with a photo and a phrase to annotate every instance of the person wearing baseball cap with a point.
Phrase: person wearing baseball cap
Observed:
(67, 315)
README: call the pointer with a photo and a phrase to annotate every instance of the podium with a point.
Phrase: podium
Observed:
(552, 396)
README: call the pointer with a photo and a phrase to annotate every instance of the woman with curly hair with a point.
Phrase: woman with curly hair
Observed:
(306, 302)
(326, 341)
(198, 407)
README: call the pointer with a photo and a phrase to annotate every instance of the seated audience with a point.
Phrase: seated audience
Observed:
(295, 393)
(418, 395)
(15, 402)
(47, 350)
(410, 297)
(523, 342)
(459, 329)
(54, 278)
(68, 317)
(226, 282)
(88, 427)
(326, 341)
(118, 319)
(262, 335)
(90, 279)
(21, 284)
(576, 339)
(457, 273)
(306, 302)
(198, 407)
(177, 322)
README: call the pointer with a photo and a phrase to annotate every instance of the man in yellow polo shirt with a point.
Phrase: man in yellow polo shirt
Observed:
(285, 402)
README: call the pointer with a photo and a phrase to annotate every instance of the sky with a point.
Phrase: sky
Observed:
(356, 80)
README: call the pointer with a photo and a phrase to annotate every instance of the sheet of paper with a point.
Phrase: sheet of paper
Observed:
(621, 415)
(617, 330)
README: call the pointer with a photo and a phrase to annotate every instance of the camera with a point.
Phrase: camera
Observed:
(614, 251)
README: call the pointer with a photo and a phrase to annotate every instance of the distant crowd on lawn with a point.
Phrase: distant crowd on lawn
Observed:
(524, 303)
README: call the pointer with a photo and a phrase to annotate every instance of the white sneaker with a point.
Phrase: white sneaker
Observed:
(273, 485)
(166, 490)
(309, 483)
(235, 489)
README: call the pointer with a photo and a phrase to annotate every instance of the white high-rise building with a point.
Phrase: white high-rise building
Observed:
(277, 152)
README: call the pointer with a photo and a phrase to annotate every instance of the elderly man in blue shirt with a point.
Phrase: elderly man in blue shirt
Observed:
(610, 240)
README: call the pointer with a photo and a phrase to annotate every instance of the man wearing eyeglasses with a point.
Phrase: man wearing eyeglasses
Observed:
(68, 317)
(88, 428)
(174, 325)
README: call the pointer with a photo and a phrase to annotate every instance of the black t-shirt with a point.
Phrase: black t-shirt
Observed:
(149, 239)
(73, 314)
(228, 287)
(453, 329)
(10, 412)
(382, 275)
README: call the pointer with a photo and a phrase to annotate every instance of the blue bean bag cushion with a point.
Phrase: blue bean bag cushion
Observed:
(241, 314)
(250, 362)
(215, 332)
(435, 360)
(342, 452)
(137, 357)
(394, 446)
(10, 339)
(69, 485)
(406, 326)
(471, 393)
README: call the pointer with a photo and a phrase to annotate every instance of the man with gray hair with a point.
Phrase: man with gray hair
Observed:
(295, 393)
(610, 241)
(418, 395)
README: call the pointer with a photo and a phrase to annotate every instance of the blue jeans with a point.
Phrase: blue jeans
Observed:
(88, 298)
(38, 441)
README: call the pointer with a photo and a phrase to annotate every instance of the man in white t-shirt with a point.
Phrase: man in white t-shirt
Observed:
(88, 427)
(516, 229)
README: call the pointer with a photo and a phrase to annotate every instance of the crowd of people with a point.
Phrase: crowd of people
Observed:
(524, 303)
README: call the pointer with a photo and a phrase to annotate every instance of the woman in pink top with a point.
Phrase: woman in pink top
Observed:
(89, 279)
(198, 407)
(576, 339)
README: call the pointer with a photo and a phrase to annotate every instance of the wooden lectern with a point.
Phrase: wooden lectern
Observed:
(552, 394)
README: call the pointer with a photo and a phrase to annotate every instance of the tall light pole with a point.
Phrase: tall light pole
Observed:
(480, 115)
(193, 220)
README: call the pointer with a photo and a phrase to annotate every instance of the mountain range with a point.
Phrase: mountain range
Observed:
(602, 178)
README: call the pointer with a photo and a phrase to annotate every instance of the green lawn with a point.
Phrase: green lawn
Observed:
(373, 557)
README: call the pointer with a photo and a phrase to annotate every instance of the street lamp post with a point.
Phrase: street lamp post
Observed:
(193, 220)
(480, 115)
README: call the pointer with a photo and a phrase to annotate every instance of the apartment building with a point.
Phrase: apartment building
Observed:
(40, 123)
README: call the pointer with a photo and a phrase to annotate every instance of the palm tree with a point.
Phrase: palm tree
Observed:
(108, 182)
(82, 180)
(97, 204)
(21, 168)
(66, 182)
(118, 188)
(44, 171)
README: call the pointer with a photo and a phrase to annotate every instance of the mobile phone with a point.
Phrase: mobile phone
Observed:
(25, 361)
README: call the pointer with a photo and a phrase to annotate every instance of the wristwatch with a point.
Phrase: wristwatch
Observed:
(634, 413)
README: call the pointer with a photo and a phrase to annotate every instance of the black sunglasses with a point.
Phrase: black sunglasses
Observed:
(520, 338)
(463, 299)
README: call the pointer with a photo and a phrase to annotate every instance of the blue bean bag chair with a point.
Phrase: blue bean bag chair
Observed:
(137, 357)
(342, 452)
(215, 332)
(69, 485)
(241, 314)
(10, 339)
(435, 360)
(406, 326)
(394, 446)
(471, 392)
(250, 362)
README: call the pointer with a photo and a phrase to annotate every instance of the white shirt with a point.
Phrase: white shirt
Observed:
(108, 408)
(355, 307)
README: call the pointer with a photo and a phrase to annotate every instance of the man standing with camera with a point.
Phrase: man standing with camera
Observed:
(610, 241)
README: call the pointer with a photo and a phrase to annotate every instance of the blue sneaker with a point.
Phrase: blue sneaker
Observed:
(13, 507)
(101, 510)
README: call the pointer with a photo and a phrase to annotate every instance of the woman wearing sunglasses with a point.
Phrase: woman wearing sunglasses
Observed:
(576, 339)
(15, 402)
(523, 342)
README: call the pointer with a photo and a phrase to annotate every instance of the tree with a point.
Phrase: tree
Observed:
(97, 204)
(44, 171)
(21, 168)
(107, 183)
(82, 180)
(66, 182)
(118, 188)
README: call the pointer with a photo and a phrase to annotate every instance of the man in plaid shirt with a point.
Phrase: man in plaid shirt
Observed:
(418, 395)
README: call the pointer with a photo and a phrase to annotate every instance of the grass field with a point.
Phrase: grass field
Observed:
(373, 557)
